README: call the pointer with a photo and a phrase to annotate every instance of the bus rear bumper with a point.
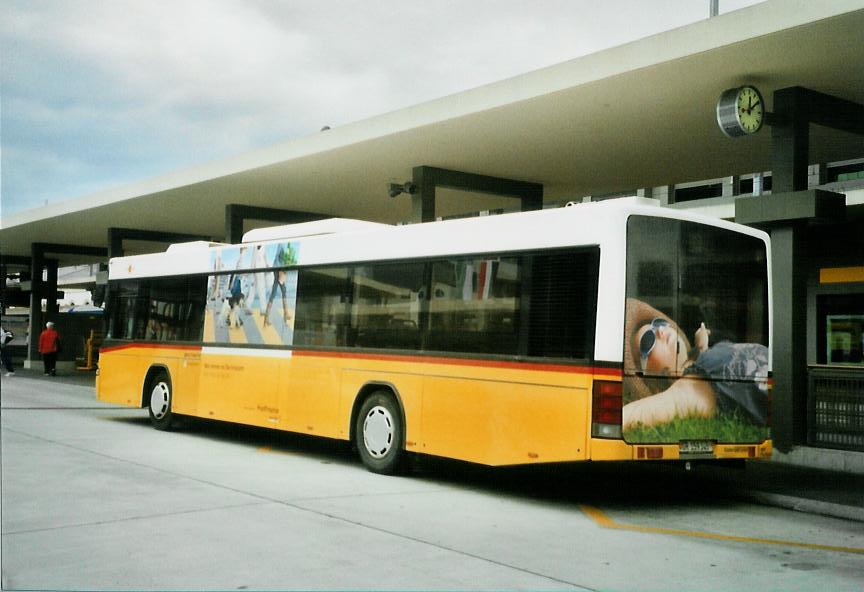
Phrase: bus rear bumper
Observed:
(608, 450)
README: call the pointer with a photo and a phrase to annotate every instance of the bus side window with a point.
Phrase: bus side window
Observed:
(130, 309)
(323, 314)
(386, 310)
(475, 305)
(159, 309)
(122, 309)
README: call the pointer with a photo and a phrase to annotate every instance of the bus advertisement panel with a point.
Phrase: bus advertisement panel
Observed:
(696, 358)
(256, 301)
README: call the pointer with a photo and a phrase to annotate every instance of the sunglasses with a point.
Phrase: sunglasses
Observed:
(649, 339)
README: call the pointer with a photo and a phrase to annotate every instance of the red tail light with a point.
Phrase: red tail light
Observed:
(606, 409)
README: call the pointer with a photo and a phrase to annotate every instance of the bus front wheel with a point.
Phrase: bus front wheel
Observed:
(159, 401)
(379, 434)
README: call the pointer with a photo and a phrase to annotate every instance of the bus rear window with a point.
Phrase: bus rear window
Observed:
(700, 274)
(696, 313)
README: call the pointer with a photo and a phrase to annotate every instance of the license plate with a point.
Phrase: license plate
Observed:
(696, 447)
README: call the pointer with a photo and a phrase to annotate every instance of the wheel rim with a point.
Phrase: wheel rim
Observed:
(378, 430)
(160, 396)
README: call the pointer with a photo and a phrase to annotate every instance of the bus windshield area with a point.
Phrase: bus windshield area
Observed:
(696, 360)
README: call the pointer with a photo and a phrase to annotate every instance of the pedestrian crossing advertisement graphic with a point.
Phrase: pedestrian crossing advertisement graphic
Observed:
(252, 297)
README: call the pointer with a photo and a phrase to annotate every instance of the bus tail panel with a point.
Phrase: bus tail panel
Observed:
(696, 343)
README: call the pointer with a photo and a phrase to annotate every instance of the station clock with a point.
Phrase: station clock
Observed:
(740, 111)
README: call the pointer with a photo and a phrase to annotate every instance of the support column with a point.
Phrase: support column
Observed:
(787, 211)
(790, 141)
(427, 178)
(790, 342)
(795, 108)
(237, 214)
(3, 273)
(37, 263)
(47, 288)
(52, 309)
(116, 236)
(423, 202)
(786, 216)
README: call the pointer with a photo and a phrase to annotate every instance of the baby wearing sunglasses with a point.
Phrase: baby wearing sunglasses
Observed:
(730, 370)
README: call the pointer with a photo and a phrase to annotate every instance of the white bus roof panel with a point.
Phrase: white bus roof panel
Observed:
(305, 229)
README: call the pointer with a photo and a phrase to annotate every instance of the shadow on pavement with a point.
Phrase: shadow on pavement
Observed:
(802, 488)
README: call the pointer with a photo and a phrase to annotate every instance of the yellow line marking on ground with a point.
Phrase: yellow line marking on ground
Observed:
(601, 519)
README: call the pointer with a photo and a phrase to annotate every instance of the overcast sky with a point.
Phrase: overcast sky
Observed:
(100, 93)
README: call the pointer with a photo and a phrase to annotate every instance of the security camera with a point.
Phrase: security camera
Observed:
(406, 187)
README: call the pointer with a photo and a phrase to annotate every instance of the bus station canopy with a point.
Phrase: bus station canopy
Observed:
(637, 115)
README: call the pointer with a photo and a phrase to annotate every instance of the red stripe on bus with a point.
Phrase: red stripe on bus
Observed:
(114, 348)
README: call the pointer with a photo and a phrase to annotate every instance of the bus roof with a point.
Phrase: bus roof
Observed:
(306, 229)
(340, 240)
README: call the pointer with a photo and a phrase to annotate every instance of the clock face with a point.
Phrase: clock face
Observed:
(750, 109)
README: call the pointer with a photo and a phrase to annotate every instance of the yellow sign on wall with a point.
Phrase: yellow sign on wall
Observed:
(841, 275)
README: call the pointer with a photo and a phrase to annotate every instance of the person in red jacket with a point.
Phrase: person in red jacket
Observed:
(49, 345)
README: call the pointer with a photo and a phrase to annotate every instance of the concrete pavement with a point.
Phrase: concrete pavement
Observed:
(93, 498)
(783, 484)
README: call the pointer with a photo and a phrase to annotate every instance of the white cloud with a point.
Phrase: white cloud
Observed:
(162, 84)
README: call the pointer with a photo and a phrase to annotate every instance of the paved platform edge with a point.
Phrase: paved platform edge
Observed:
(806, 505)
(844, 461)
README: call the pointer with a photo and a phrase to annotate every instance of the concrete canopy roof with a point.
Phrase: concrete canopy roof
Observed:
(638, 115)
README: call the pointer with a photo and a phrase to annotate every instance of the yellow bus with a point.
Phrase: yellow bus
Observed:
(615, 330)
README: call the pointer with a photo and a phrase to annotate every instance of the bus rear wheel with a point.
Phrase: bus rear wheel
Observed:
(159, 392)
(379, 434)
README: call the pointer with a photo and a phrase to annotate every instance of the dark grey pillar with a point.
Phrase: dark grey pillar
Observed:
(52, 309)
(116, 236)
(37, 263)
(237, 214)
(789, 425)
(3, 272)
(790, 141)
(48, 289)
(795, 108)
(427, 178)
(233, 224)
(423, 202)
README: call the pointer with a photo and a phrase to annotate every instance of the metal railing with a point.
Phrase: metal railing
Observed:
(835, 408)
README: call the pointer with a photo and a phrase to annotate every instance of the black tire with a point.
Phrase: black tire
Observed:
(379, 434)
(159, 397)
